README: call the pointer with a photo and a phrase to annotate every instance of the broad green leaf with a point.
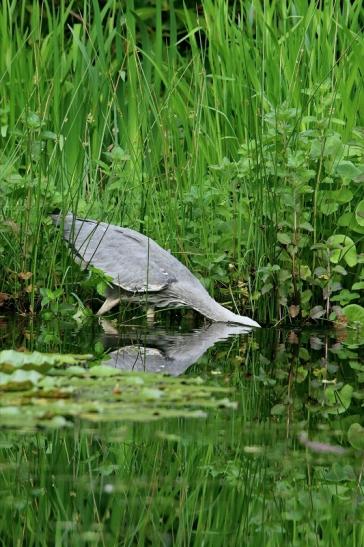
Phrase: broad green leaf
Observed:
(11, 359)
(340, 400)
(305, 271)
(343, 248)
(19, 380)
(356, 436)
(344, 195)
(278, 410)
(354, 313)
(328, 207)
(306, 226)
(358, 286)
(283, 238)
(349, 220)
(347, 169)
(359, 213)
(317, 312)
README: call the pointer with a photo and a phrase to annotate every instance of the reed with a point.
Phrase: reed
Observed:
(138, 116)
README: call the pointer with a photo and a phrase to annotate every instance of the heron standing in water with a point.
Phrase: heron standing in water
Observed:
(140, 269)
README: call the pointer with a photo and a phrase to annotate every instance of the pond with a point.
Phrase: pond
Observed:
(213, 435)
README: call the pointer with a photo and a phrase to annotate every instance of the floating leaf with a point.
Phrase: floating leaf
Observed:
(11, 359)
(19, 380)
(97, 393)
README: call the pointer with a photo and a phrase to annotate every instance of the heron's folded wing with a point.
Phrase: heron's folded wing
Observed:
(128, 257)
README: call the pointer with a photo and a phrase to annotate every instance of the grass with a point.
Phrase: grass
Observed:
(158, 118)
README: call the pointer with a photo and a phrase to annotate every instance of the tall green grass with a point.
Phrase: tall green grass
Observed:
(136, 115)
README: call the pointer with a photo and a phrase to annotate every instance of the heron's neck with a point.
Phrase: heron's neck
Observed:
(217, 312)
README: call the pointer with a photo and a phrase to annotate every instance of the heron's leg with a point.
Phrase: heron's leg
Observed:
(108, 327)
(108, 304)
(150, 315)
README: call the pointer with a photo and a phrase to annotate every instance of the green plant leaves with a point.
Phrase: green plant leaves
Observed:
(347, 169)
(283, 238)
(35, 386)
(356, 436)
(359, 213)
(339, 401)
(342, 248)
(354, 313)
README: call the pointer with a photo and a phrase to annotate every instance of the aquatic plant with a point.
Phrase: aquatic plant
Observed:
(188, 125)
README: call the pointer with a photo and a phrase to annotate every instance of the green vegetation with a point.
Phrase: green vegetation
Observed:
(283, 468)
(55, 388)
(229, 133)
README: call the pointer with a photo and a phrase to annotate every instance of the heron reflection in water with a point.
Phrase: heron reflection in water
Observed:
(161, 351)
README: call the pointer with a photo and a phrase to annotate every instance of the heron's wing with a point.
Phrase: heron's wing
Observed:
(134, 262)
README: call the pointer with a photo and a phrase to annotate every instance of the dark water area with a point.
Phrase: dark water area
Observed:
(206, 435)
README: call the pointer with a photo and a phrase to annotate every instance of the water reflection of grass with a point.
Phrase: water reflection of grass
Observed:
(175, 483)
(245, 477)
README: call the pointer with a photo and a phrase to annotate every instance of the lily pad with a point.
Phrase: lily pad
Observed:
(11, 359)
(52, 390)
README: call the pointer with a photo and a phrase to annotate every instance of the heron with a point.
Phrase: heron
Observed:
(139, 269)
(164, 351)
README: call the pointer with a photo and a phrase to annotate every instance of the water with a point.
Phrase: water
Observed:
(254, 439)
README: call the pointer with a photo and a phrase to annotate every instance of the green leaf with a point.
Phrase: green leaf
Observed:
(305, 272)
(317, 312)
(19, 380)
(327, 207)
(358, 286)
(354, 313)
(283, 238)
(350, 221)
(345, 296)
(344, 195)
(278, 410)
(11, 359)
(347, 169)
(340, 399)
(359, 213)
(306, 226)
(356, 436)
(343, 247)
(103, 371)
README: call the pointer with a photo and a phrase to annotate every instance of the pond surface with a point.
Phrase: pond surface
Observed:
(180, 436)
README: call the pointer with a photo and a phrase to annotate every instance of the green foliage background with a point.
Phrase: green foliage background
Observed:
(230, 132)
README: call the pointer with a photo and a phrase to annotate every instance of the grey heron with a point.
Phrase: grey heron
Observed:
(140, 269)
(168, 353)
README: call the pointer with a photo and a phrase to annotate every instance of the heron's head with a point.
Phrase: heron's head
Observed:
(246, 321)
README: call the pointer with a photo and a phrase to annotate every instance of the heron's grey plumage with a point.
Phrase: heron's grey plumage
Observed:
(169, 353)
(140, 268)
